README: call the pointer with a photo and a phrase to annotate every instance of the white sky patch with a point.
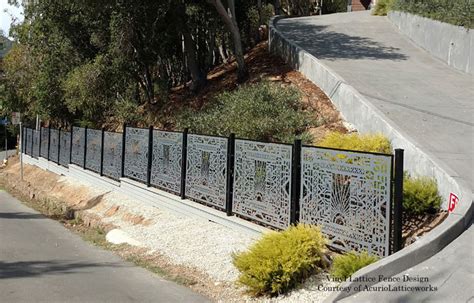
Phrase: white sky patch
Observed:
(9, 14)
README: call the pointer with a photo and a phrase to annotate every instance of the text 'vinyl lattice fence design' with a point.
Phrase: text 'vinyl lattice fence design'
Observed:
(166, 162)
(136, 153)
(262, 182)
(206, 169)
(112, 163)
(348, 194)
(78, 145)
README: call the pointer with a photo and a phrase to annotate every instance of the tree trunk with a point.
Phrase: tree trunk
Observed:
(231, 24)
(197, 76)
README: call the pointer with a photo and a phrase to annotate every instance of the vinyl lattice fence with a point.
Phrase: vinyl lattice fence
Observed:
(349, 194)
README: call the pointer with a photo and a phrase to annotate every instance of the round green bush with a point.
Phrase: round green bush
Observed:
(281, 260)
(347, 264)
(420, 195)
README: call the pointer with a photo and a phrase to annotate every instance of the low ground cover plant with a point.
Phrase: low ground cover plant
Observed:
(457, 12)
(355, 141)
(382, 7)
(420, 195)
(347, 264)
(279, 261)
(263, 111)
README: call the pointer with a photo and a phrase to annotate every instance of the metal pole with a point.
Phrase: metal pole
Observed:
(21, 152)
(70, 145)
(6, 141)
(150, 157)
(102, 153)
(124, 134)
(85, 148)
(59, 146)
(230, 174)
(295, 183)
(49, 140)
(184, 159)
(398, 201)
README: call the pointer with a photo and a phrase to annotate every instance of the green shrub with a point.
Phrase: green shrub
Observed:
(347, 264)
(420, 195)
(355, 141)
(457, 12)
(334, 6)
(280, 260)
(263, 111)
(382, 7)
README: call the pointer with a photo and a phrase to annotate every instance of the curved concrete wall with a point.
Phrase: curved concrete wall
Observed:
(357, 110)
(452, 44)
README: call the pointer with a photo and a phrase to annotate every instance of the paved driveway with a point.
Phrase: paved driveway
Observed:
(426, 98)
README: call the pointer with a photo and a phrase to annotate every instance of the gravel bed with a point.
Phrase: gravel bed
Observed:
(194, 242)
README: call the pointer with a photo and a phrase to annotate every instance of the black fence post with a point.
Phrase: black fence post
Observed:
(49, 139)
(295, 183)
(39, 140)
(150, 157)
(124, 133)
(59, 145)
(102, 153)
(70, 146)
(184, 160)
(230, 174)
(85, 148)
(398, 201)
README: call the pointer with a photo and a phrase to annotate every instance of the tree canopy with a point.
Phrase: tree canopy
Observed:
(84, 61)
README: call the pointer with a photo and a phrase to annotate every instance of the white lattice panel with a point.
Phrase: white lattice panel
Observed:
(262, 182)
(166, 162)
(348, 194)
(206, 169)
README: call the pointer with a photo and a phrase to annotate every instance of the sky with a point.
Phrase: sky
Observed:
(6, 13)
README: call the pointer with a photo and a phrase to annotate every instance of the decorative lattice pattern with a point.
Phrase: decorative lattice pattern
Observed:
(112, 166)
(348, 194)
(262, 182)
(78, 141)
(136, 153)
(36, 143)
(206, 169)
(44, 142)
(94, 149)
(53, 146)
(166, 162)
(65, 148)
(29, 141)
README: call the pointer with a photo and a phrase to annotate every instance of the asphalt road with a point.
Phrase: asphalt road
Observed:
(42, 261)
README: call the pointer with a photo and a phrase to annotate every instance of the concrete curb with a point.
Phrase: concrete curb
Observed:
(359, 111)
(150, 196)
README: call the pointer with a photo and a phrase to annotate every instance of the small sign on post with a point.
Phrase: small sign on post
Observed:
(16, 118)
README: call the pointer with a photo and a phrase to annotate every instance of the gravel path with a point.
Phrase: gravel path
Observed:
(192, 242)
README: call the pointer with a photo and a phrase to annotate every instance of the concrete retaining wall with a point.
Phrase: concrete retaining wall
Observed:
(452, 44)
(148, 195)
(357, 110)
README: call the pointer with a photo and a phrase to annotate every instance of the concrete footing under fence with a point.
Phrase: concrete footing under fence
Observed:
(149, 196)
